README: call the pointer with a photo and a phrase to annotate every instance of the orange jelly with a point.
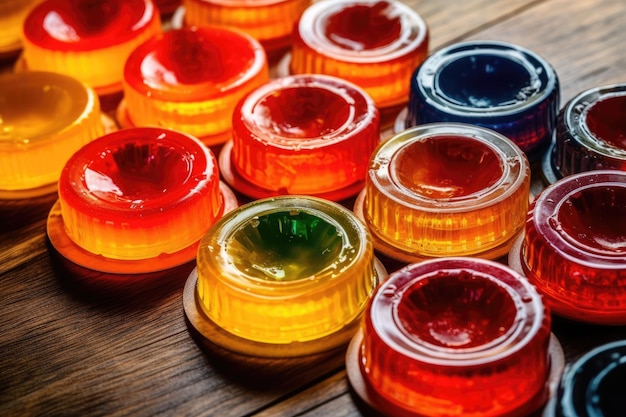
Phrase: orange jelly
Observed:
(445, 189)
(304, 134)
(88, 40)
(191, 80)
(269, 21)
(376, 45)
(139, 193)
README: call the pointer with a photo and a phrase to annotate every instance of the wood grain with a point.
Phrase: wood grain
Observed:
(76, 342)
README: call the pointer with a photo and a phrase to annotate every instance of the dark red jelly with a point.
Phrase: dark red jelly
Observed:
(606, 120)
(447, 166)
(362, 27)
(84, 25)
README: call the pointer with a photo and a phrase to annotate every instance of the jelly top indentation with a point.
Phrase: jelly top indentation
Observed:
(592, 218)
(86, 25)
(606, 121)
(456, 309)
(192, 64)
(364, 26)
(447, 167)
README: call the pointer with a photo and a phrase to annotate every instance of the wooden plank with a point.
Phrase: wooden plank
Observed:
(451, 20)
(583, 40)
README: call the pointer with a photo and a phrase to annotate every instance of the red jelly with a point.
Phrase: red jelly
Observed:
(574, 248)
(140, 193)
(455, 337)
(605, 120)
(191, 80)
(374, 44)
(305, 134)
(87, 39)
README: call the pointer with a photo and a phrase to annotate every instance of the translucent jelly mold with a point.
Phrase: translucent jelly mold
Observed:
(590, 134)
(191, 80)
(280, 277)
(269, 21)
(45, 118)
(88, 40)
(374, 44)
(304, 134)
(12, 15)
(455, 337)
(574, 247)
(445, 190)
(137, 200)
(593, 385)
(496, 85)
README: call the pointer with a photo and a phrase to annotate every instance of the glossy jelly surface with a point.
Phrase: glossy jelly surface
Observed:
(360, 27)
(308, 134)
(138, 193)
(605, 120)
(456, 337)
(446, 190)
(592, 386)
(85, 25)
(574, 248)
(285, 270)
(88, 40)
(493, 84)
(44, 118)
(269, 21)
(591, 134)
(191, 79)
(374, 44)
(448, 167)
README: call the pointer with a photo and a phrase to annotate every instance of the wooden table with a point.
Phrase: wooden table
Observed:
(74, 342)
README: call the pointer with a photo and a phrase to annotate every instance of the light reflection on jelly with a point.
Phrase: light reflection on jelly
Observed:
(447, 167)
(492, 84)
(375, 45)
(590, 134)
(453, 337)
(289, 271)
(191, 80)
(573, 249)
(123, 193)
(303, 134)
(445, 189)
(44, 118)
(88, 40)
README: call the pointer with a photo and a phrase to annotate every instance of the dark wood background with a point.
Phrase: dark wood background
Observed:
(75, 342)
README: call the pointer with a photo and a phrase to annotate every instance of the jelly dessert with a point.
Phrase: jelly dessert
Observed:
(590, 134)
(374, 44)
(138, 195)
(445, 189)
(86, 39)
(455, 337)
(269, 21)
(574, 247)
(44, 118)
(284, 276)
(303, 134)
(190, 80)
(496, 85)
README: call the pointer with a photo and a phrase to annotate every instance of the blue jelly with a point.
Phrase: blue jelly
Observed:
(496, 85)
(593, 386)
